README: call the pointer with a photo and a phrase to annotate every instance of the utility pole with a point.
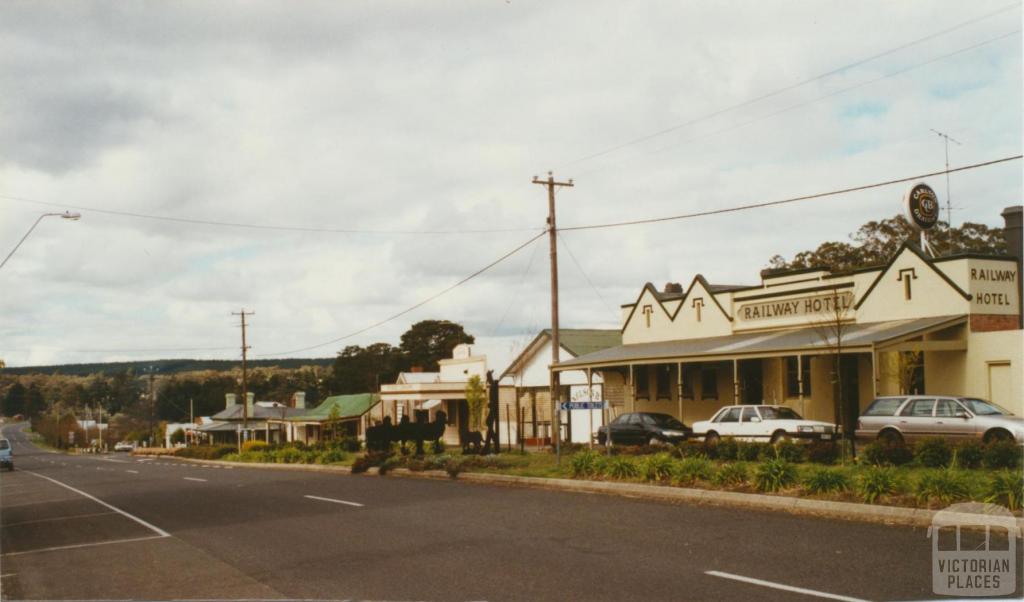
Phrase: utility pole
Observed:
(949, 198)
(556, 418)
(245, 373)
(192, 421)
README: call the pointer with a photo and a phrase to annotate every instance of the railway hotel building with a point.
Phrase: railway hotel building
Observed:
(945, 325)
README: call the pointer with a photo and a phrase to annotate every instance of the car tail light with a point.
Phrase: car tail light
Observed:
(859, 427)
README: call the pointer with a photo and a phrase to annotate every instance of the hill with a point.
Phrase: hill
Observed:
(165, 366)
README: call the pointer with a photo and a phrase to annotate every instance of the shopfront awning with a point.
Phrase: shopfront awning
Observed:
(430, 404)
(817, 339)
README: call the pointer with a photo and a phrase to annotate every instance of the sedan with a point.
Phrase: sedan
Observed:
(640, 428)
(767, 423)
(909, 417)
(125, 446)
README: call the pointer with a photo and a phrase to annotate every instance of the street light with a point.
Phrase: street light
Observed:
(69, 215)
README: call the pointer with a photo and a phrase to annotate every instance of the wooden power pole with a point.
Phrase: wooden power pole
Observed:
(245, 373)
(556, 419)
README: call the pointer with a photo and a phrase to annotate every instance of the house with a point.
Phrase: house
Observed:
(341, 415)
(256, 420)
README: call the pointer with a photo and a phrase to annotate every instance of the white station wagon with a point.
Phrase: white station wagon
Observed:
(761, 423)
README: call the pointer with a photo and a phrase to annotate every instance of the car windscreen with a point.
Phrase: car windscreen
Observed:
(770, 413)
(885, 406)
(666, 421)
(4, 444)
(980, 407)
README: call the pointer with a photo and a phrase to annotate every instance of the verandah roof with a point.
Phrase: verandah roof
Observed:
(810, 339)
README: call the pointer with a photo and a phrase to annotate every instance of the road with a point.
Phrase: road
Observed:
(122, 527)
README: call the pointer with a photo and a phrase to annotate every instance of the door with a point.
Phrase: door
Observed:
(750, 426)
(916, 419)
(850, 390)
(751, 382)
(951, 420)
(999, 381)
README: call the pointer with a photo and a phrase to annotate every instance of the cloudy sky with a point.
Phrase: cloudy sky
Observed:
(398, 141)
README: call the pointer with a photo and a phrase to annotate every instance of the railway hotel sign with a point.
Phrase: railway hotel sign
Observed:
(813, 305)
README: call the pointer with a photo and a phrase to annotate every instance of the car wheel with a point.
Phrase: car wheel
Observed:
(711, 438)
(997, 435)
(601, 438)
(890, 437)
(654, 441)
(779, 436)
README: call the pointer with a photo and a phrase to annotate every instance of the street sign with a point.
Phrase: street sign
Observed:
(582, 405)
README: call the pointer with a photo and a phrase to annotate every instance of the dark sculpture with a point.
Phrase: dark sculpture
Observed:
(379, 437)
(493, 433)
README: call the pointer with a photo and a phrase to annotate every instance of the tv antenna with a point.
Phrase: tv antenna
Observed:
(949, 199)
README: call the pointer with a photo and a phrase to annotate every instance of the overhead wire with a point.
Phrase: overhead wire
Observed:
(789, 87)
(519, 290)
(579, 267)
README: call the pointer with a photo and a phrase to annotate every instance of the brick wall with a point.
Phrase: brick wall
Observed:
(991, 322)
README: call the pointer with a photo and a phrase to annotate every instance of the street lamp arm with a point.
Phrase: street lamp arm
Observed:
(65, 215)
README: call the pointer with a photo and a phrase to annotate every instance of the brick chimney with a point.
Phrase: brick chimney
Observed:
(416, 369)
(300, 399)
(1012, 220)
(230, 399)
(250, 399)
(673, 287)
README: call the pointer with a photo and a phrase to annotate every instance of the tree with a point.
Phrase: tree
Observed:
(476, 399)
(359, 370)
(877, 241)
(831, 328)
(14, 401)
(429, 341)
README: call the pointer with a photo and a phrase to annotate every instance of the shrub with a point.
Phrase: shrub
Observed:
(726, 448)
(254, 445)
(1002, 454)
(773, 475)
(691, 448)
(969, 454)
(942, 486)
(790, 451)
(621, 468)
(206, 452)
(586, 463)
(363, 463)
(349, 444)
(1006, 488)
(875, 482)
(330, 456)
(823, 452)
(453, 466)
(388, 464)
(731, 474)
(887, 454)
(826, 480)
(933, 452)
(657, 467)
(690, 470)
(747, 451)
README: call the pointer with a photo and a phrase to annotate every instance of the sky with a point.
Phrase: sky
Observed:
(398, 141)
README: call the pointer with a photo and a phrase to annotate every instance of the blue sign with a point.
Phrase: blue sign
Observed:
(582, 405)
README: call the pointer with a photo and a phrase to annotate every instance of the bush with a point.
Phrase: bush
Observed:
(586, 463)
(691, 448)
(1002, 454)
(388, 464)
(774, 475)
(657, 467)
(875, 482)
(206, 452)
(725, 449)
(790, 451)
(363, 463)
(1006, 488)
(933, 452)
(886, 454)
(254, 445)
(690, 470)
(942, 486)
(330, 456)
(453, 466)
(826, 480)
(731, 474)
(823, 452)
(969, 454)
(620, 467)
(287, 455)
(748, 451)
(349, 444)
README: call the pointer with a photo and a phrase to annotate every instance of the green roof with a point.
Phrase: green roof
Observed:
(581, 341)
(349, 406)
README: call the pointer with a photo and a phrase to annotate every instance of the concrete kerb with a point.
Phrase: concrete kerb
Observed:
(894, 515)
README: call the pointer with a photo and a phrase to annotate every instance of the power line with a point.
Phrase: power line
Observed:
(789, 200)
(814, 100)
(251, 226)
(585, 276)
(412, 307)
(778, 91)
(519, 290)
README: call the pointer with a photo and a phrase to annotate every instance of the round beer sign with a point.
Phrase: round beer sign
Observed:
(922, 206)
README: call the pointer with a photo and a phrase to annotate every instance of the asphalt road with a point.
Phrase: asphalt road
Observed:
(121, 527)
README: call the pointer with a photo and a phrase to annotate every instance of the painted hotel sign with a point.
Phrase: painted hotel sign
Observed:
(802, 306)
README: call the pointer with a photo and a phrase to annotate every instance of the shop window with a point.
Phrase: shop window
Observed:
(792, 376)
(643, 385)
(664, 378)
(690, 374)
(709, 383)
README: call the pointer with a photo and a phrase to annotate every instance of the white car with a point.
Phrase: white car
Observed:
(761, 423)
(124, 446)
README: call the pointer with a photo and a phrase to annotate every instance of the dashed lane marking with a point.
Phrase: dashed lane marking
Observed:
(194, 479)
(783, 587)
(332, 500)
(132, 471)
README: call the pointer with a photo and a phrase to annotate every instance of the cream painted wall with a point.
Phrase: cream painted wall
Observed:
(930, 294)
(685, 326)
(535, 373)
(986, 348)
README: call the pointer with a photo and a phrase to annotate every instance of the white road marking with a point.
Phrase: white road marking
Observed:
(7, 575)
(46, 520)
(158, 530)
(132, 471)
(117, 461)
(786, 588)
(85, 545)
(194, 479)
(327, 499)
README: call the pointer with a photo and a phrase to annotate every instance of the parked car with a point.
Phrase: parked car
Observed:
(124, 446)
(6, 455)
(909, 417)
(639, 428)
(759, 422)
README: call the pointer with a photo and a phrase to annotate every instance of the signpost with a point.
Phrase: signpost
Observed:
(921, 206)
(582, 405)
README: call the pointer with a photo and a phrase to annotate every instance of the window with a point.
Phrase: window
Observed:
(730, 415)
(645, 419)
(690, 374)
(885, 406)
(643, 386)
(775, 413)
(947, 408)
(749, 413)
(793, 375)
(634, 419)
(664, 377)
(623, 419)
(709, 384)
(919, 408)
(983, 408)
